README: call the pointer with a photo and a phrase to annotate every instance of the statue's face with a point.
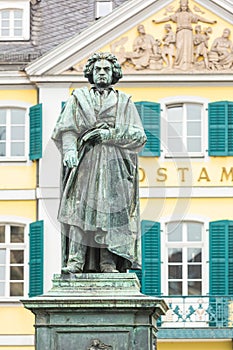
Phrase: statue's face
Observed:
(102, 73)
(226, 33)
(141, 29)
(184, 7)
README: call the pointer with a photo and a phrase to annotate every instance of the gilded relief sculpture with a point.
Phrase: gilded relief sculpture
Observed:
(184, 18)
(183, 47)
(221, 53)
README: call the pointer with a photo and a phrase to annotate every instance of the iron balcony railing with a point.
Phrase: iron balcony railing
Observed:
(198, 311)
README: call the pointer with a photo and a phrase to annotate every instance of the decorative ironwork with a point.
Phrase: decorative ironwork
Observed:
(198, 311)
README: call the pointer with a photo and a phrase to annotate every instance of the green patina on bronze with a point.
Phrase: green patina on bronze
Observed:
(99, 134)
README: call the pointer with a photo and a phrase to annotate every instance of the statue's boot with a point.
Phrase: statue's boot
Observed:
(76, 259)
(72, 269)
(107, 261)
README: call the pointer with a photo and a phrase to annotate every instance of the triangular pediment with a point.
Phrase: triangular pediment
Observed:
(195, 40)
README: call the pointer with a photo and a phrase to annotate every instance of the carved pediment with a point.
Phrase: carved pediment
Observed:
(188, 40)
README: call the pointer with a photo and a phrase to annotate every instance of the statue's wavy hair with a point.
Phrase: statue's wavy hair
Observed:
(97, 56)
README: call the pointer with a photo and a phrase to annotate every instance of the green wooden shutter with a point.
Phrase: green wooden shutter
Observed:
(36, 260)
(151, 275)
(35, 115)
(220, 128)
(221, 257)
(150, 115)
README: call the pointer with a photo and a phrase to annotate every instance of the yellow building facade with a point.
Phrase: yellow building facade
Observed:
(186, 170)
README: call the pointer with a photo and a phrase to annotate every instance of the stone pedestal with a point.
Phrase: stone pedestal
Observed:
(95, 311)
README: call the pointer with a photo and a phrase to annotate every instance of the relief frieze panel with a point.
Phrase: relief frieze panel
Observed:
(186, 45)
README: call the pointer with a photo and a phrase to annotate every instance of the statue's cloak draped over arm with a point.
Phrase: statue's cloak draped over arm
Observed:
(102, 195)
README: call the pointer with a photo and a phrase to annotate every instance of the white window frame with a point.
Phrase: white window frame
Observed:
(103, 10)
(205, 250)
(180, 100)
(18, 5)
(21, 105)
(18, 221)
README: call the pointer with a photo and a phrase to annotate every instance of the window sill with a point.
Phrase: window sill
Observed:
(175, 155)
(13, 159)
(14, 301)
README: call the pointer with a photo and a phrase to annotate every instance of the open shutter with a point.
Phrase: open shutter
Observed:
(151, 275)
(221, 271)
(35, 115)
(150, 116)
(221, 257)
(220, 128)
(36, 261)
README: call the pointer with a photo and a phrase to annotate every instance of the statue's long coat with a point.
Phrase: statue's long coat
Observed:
(102, 194)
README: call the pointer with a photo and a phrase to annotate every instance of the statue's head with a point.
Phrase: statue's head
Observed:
(106, 63)
(184, 5)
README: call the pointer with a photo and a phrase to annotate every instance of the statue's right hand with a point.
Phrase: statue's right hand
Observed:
(70, 159)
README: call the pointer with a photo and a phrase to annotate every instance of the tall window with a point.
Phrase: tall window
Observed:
(184, 258)
(14, 20)
(11, 23)
(12, 260)
(184, 130)
(12, 132)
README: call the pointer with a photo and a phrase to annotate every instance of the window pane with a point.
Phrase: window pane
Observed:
(175, 144)
(2, 256)
(2, 234)
(194, 112)
(175, 272)
(174, 232)
(18, 23)
(18, 32)
(2, 289)
(175, 113)
(16, 257)
(104, 8)
(17, 133)
(174, 129)
(194, 144)
(5, 23)
(16, 289)
(174, 255)
(194, 288)
(17, 149)
(5, 32)
(18, 14)
(194, 129)
(194, 232)
(2, 149)
(2, 116)
(5, 14)
(194, 272)
(17, 116)
(2, 273)
(194, 255)
(2, 133)
(175, 288)
(16, 273)
(17, 234)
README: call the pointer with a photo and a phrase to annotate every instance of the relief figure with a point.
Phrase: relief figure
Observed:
(184, 18)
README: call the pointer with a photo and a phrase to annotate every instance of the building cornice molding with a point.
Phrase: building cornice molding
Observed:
(213, 78)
